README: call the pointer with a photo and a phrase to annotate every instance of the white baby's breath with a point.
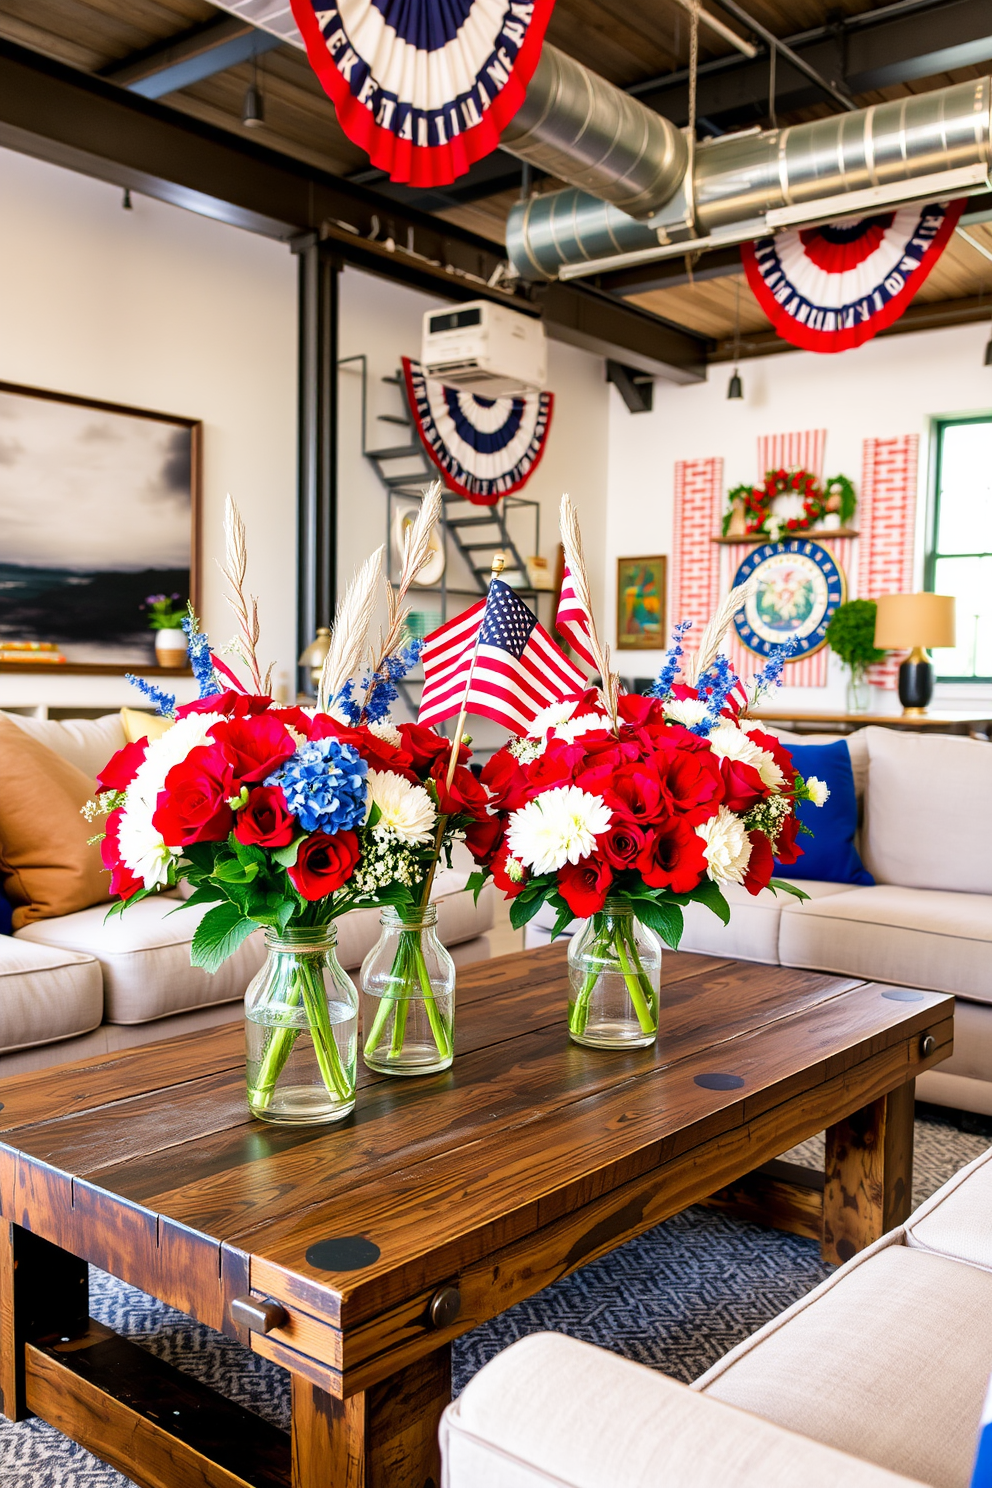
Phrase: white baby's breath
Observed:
(406, 810)
(727, 741)
(558, 827)
(726, 847)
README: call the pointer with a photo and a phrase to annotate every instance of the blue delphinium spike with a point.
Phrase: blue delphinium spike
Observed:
(164, 702)
(671, 666)
(344, 702)
(200, 658)
(714, 687)
(771, 673)
(381, 689)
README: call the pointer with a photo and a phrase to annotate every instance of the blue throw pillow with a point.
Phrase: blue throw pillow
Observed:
(830, 854)
(6, 924)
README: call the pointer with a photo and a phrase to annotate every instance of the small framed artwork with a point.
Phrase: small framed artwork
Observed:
(641, 603)
(99, 511)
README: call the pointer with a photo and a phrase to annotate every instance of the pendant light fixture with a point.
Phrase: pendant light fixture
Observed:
(735, 388)
(253, 108)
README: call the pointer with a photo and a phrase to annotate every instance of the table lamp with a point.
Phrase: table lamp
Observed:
(314, 655)
(914, 623)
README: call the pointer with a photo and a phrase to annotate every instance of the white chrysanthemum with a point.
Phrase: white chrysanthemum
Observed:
(574, 728)
(387, 732)
(558, 827)
(725, 846)
(551, 717)
(406, 810)
(819, 791)
(687, 711)
(142, 846)
(727, 741)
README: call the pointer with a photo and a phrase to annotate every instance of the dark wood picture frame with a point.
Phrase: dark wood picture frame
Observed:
(642, 640)
(195, 429)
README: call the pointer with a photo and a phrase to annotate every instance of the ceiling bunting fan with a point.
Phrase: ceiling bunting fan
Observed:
(424, 87)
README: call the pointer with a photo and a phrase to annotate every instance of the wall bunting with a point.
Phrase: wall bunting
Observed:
(485, 448)
(424, 89)
(833, 287)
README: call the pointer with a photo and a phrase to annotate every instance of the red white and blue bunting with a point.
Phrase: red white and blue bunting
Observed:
(485, 448)
(833, 287)
(425, 87)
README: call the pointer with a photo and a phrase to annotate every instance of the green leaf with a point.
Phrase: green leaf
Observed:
(523, 909)
(232, 871)
(779, 883)
(286, 856)
(708, 893)
(202, 855)
(664, 918)
(218, 936)
(375, 816)
(247, 852)
(564, 915)
(476, 882)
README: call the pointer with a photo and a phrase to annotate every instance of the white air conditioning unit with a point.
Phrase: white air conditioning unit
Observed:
(485, 348)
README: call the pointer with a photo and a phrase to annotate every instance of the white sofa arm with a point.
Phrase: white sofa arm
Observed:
(550, 1412)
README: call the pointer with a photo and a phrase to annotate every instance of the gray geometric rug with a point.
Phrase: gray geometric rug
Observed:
(676, 1299)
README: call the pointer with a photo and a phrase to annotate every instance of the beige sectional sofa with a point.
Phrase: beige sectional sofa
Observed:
(875, 1379)
(80, 984)
(926, 837)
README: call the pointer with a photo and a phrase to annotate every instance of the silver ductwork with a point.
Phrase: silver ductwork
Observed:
(580, 129)
(923, 147)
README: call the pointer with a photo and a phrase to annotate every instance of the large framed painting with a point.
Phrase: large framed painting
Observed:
(99, 509)
(641, 589)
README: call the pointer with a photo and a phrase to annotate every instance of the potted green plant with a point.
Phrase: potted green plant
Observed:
(165, 618)
(851, 636)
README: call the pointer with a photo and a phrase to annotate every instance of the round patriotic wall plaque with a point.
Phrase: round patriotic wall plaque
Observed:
(424, 87)
(484, 447)
(799, 586)
(833, 287)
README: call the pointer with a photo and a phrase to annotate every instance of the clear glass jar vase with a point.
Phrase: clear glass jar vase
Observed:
(858, 693)
(614, 973)
(408, 997)
(301, 1030)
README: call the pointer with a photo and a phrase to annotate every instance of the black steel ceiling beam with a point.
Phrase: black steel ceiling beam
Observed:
(82, 122)
(190, 56)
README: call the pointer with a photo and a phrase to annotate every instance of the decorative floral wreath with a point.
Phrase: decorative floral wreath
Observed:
(835, 495)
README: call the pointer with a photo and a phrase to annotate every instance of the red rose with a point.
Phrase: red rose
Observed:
(672, 857)
(123, 882)
(482, 837)
(323, 864)
(256, 747)
(623, 844)
(378, 753)
(693, 782)
(506, 779)
(118, 773)
(636, 792)
(585, 885)
(192, 806)
(425, 747)
(266, 821)
(743, 786)
(294, 718)
(760, 864)
(507, 886)
(465, 796)
(554, 767)
(232, 704)
(787, 848)
(638, 708)
(778, 752)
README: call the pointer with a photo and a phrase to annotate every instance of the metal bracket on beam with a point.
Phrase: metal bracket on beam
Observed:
(635, 388)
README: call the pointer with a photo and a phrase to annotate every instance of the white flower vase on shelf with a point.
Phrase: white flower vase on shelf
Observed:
(170, 648)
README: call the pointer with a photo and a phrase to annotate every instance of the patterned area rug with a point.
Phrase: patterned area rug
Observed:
(676, 1299)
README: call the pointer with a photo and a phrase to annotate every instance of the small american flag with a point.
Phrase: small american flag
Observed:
(572, 621)
(515, 667)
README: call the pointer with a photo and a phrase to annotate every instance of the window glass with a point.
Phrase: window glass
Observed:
(960, 557)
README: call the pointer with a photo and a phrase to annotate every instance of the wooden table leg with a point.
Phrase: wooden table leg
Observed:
(868, 1174)
(385, 1437)
(44, 1291)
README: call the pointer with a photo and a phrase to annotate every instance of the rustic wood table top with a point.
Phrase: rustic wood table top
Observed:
(352, 1254)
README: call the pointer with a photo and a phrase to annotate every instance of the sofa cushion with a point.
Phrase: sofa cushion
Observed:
(957, 1220)
(753, 932)
(886, 1360)
(47, 864)
(46, 994)
(857, 748)
(928, 811)
(916, 937)
(829, 855)
(87, 743)
(550, 1412)
(144, 954)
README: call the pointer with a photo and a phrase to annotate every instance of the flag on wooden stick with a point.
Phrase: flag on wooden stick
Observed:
(572, 620)
(498, 661)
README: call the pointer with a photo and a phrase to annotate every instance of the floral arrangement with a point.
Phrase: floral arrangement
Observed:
(650, 802)
(286, 817)
(835, 495)
(164, 613)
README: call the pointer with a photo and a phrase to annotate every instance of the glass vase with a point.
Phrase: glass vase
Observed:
(858, 693)
(614, 973)
(301, 1029)
(408, 997)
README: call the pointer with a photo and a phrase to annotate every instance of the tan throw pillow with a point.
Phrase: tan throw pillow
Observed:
(46, 864)
(138, 725)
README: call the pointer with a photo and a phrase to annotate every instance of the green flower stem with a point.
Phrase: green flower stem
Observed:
(308, 985)
(616, 940)
(408, 978)
(402, 1004)
(277, 1052)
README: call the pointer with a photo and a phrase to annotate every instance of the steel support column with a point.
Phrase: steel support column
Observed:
(317, 424)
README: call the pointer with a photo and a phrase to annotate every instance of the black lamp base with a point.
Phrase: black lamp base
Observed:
(916, 683)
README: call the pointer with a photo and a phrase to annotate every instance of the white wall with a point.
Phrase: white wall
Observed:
(166, 310)
(890, 386)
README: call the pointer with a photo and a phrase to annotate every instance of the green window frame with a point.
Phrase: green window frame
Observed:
(935, 555)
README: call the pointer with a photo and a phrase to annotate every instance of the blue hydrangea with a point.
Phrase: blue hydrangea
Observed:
(200, 658)
(672, 664)
(324, 785)
(163, 702)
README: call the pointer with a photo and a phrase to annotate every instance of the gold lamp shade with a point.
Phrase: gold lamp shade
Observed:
(313, 656)
(905, 622)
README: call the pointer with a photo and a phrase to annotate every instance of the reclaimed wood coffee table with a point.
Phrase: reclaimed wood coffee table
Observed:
(354, 1254)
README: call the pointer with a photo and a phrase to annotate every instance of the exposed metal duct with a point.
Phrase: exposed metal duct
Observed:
(579, 128)
(918, 148)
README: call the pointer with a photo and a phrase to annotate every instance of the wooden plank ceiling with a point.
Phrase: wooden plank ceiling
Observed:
(626, 41)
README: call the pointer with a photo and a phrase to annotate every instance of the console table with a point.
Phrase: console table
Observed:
(975, 724)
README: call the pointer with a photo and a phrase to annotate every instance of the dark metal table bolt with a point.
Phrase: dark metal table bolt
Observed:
(445, 1306)
(261, 1316)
